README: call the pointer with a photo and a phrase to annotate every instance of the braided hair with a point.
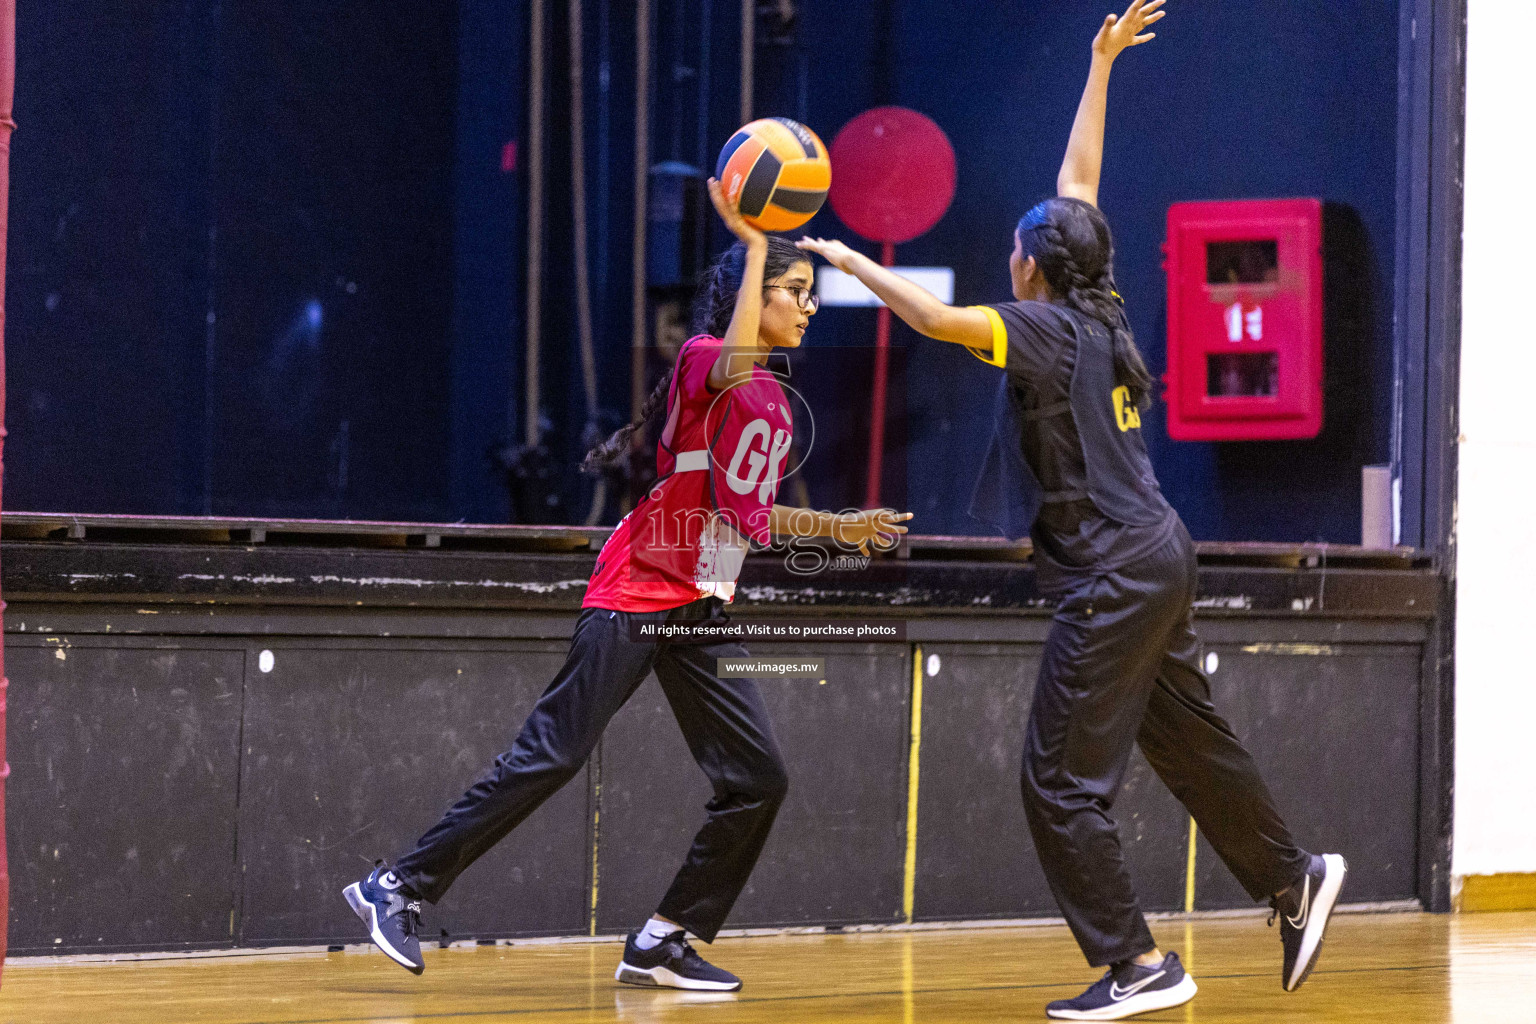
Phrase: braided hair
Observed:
(712, 313)
(1071, 244)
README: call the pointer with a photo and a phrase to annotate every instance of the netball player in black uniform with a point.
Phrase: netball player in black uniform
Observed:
(1122, 663)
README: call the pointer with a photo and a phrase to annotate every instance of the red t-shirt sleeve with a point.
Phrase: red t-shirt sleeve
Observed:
(693, 366)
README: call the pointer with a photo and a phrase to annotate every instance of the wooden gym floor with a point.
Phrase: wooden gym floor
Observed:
(1382, 967)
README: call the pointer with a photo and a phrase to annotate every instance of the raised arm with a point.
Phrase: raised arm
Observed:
(741, 336)
(921, 310)
(1079, 176)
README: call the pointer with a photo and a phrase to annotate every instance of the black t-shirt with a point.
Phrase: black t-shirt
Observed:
(1034, 342)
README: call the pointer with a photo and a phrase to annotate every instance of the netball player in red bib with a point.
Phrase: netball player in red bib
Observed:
(673, 559)
(1122, 664)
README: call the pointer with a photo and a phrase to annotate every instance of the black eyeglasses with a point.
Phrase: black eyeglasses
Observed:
(804, 297)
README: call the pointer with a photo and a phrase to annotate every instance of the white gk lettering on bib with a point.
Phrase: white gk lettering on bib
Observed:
(764, 460)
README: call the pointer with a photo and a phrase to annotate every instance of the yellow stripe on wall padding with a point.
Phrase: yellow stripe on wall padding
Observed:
(1189, 871)
(909, 869)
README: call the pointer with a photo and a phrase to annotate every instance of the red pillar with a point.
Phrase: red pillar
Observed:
(7, 93)
(876, 463)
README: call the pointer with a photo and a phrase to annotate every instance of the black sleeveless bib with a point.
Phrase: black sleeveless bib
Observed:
(1117, 475)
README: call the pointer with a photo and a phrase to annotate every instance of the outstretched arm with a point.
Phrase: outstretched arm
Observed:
(921, 310)
(879, 526)
(1079, 176)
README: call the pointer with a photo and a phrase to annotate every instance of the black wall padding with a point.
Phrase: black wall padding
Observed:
(166, 793)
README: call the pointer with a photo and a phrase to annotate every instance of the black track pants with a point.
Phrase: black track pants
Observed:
(1122, 666)
(723, 720)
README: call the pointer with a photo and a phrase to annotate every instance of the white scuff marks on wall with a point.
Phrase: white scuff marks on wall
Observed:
(525, 586)
(1234, 603)
(1283, 648)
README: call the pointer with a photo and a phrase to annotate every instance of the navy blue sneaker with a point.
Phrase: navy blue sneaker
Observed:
(1303, 912)
(1128, 989)
(672, 963)
(392, 917)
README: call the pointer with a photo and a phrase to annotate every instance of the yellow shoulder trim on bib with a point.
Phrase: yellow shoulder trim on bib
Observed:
(999, 354)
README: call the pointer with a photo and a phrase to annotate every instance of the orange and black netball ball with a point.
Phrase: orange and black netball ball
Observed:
(776, 171)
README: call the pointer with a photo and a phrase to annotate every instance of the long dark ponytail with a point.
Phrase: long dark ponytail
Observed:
(713, 309)
(1072, 246)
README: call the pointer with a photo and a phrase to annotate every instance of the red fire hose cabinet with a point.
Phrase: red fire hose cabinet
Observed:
(1245, 320)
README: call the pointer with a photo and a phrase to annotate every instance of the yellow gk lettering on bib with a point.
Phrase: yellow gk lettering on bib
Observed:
(1126, 415)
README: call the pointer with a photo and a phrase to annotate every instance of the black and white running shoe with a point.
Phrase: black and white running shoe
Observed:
(1128, 989)
(672, 963)
(1304, 911)
(392, 916)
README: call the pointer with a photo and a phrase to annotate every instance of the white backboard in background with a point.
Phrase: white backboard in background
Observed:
(835, 288)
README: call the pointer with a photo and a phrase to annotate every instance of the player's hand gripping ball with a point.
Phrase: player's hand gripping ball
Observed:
(777, 173)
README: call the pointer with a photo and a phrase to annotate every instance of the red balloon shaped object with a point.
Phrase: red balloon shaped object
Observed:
(893, 174)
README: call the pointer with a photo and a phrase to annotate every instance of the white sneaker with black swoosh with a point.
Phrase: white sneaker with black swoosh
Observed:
(1128, 989)
(1303, 912)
